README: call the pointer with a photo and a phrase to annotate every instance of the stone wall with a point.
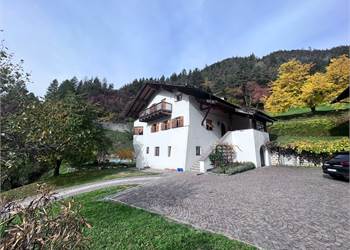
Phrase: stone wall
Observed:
(277, 160)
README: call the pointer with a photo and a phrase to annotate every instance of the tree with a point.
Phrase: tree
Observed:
(62, 130)
(52, 90)
(315, 90)
(338, 75)
(286, 90)
(67, 87)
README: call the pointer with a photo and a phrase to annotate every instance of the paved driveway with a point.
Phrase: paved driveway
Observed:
(273, 208)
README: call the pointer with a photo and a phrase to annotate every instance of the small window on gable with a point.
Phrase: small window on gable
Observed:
(209, 124)
(198, 150)
(138, 130)
(147, 150)
(169, 151)
(178, 97)
(156, 151)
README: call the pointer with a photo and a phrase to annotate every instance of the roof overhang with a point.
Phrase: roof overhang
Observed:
(342, 95)
(146, 93)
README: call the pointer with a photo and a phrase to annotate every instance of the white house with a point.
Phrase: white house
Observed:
(177, 127)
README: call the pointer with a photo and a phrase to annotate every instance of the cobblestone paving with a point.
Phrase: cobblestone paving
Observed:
(272, 208)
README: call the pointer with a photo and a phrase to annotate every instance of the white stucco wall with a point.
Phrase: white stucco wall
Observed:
(247, 143)
(199, 135)
(175, 137)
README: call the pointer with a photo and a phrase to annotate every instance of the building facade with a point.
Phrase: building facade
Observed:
(177, 127)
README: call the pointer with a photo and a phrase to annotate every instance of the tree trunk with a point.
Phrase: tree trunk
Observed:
(57, 168)
(313, 109)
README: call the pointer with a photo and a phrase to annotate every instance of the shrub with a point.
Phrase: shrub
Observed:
(43, 224)
(239, 167)
(235, 168)
(222, 156)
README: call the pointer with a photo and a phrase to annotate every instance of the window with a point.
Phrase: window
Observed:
(169, 151)
(198, 150)
(209, 124)
(178, 97)
(166, 125)
(177, 122)
(154, 127)
(138, 130)
(156, 151)
(147, 150)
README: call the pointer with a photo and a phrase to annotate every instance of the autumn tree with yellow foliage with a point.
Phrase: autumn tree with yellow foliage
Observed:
(286, 89)
(338, 75)
(295, 87)
(315, 91)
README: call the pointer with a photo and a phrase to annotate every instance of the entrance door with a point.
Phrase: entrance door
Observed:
(223, 129)
(262, 156)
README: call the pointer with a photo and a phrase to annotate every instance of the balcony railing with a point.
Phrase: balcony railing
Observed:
(156, 111)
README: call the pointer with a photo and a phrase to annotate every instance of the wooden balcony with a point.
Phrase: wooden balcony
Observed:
(156, 111)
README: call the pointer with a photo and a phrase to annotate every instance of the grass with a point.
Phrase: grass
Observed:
(320, 109)
(286, 139)
(117, 226)
(72, 179)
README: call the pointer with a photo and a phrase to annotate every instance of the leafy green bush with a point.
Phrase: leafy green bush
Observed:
(235, 168)
(222, 156)
(217, 158)
(239, 167)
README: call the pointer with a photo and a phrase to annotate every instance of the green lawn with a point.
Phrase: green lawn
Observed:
(321, 108)
(117, 226)
(286, 139)
(72, 179)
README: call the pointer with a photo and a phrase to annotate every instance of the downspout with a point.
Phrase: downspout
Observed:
(206, 115)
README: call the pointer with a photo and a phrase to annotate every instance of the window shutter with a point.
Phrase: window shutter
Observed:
(181, 121)
(162, 126)
(169, 124)
(173, 123)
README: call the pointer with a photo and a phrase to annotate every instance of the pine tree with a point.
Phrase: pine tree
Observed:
(52, 90)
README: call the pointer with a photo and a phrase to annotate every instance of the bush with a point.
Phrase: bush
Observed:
(239, 167)
(43, 224)
(235, 168)
(222, 156)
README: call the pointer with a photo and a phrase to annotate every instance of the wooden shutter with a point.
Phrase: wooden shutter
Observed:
(181, 121)
(169, 124)
(154, 128)
(173, 123)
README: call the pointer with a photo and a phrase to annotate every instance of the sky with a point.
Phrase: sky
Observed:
(125, 40)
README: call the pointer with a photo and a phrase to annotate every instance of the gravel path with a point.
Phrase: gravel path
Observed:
(272, 208)
(71, 191)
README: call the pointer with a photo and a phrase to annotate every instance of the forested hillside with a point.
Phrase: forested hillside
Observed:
(242, 80)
